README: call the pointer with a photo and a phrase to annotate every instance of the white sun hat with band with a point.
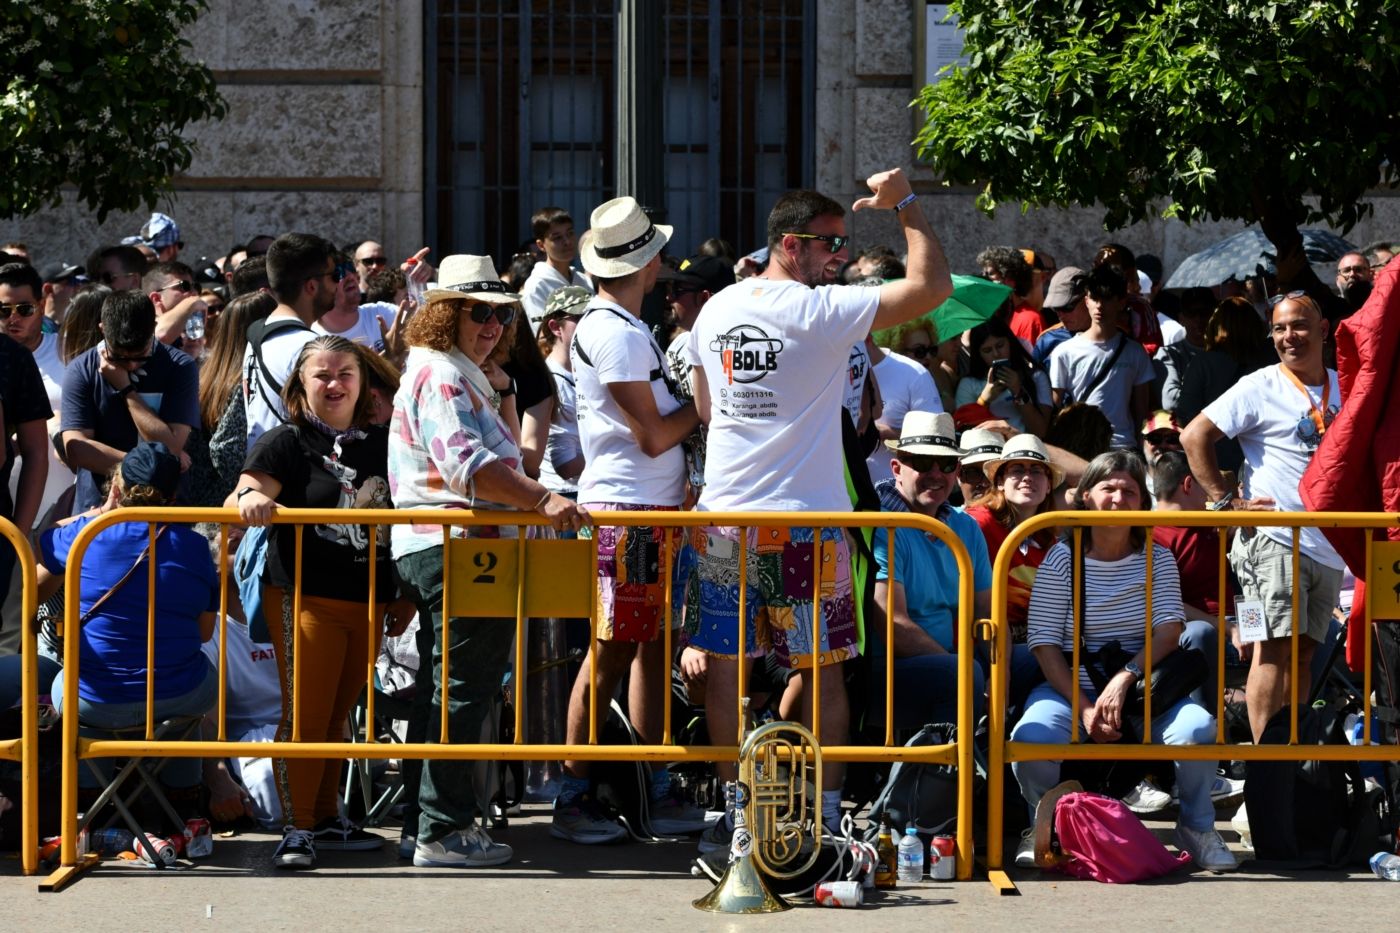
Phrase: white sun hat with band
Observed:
(981, 445)
(470, 277)
(1024, 448)
(924, 432)
(620, 239)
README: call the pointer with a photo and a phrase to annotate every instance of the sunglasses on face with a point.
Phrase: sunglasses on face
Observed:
(375, 262)
(23, 309)
(921, 352)
(481, 313)
(343, 269)
(835, 243)
(180, 285)
(138, 360)
(335, 275)
(923, 463)
(108, 278)
(1164, 437)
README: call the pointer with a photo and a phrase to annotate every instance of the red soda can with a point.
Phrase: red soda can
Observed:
(163, 849)
(198, 838)
(840, 894)
(946, 867)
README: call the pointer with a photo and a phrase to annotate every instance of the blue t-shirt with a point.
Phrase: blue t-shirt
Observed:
(1047, 342)
(929, 574)
(112, 652)
(170, 387)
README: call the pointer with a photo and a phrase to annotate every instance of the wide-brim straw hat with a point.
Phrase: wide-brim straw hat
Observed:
(1026, 448)
(981, 445)
(621, 239)
(470, 277)
(925, 432)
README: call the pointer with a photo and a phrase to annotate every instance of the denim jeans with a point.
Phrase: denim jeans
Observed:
(477, 656)
(12, 678)
(925, 689)
(99, 719)
(1047, 721)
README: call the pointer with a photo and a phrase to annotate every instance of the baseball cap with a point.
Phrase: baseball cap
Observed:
(1161, 420)
(150, 463)
(570, 299)
(1062, 292)
(160, 231)
(705, 272)
(58, 271)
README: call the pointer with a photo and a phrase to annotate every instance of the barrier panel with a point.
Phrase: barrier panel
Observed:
(1004, 751)
(507, 577)
(25, 748)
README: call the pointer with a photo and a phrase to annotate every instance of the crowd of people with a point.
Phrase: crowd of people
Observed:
(293, 373)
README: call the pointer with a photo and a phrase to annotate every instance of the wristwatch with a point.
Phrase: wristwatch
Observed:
(126, 390)
(243, 492)
(1132, 668)
(508, 391)
(1221, 504)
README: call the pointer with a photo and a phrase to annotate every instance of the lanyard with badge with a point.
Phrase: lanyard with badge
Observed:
(1317, 416)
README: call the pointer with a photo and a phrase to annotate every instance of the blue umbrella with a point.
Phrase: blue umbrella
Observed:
(1247, 253)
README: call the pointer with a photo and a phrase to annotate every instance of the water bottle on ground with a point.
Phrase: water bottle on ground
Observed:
(111, 841)
(1386, 866)
(911, 857)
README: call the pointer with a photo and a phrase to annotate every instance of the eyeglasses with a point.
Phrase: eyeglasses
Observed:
(837, 243)
(921, 352)
(212, 309)
(1355, 269)
(1280, 299)
(482, 312)
(23, 309)
(1019, 470)
(179, 285)
(376, 262)
(923, 463)
(342, 269)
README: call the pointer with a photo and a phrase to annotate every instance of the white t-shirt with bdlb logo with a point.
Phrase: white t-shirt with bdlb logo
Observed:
(620, 349)
(775, 356)
(1267, 414)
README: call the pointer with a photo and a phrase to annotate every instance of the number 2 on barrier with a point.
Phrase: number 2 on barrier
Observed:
(486, 576)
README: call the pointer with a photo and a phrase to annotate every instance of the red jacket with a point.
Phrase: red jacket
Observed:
(1357, 466)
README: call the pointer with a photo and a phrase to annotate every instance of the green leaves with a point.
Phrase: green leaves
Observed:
(1183, 107)
(98, 95)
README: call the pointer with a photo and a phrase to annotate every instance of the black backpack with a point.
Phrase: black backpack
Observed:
(923, 794)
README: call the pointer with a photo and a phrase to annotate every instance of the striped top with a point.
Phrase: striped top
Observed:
(1115, 600)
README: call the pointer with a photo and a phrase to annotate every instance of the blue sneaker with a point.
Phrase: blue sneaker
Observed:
(466, 848)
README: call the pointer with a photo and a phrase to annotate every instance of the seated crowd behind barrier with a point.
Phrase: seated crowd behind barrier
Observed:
(467, 427)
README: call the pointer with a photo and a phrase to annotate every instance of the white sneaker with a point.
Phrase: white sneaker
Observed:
(466, 848)
(1206, 849)
(1240, 824)
(1147, 798)
(1025, 849)
(581, 821)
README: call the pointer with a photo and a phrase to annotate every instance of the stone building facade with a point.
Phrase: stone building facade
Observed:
(329, 130)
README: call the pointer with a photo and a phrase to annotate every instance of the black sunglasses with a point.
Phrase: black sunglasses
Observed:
(180, 285)
(23, 309)
(921, 352)
(138, 360)
(482, 312)
(335, 275)
(375, 261)
(1280, 299)
(836, 243)
(922, 463)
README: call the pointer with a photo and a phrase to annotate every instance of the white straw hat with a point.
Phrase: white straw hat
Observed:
(471, 277)
(1026, 448)
(924, 432)
(981, 445)
(620, 239)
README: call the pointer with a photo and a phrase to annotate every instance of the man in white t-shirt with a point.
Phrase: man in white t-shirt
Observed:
(631, 427)
(553, 230)
(1278, 414)
(303, 275)
(773, 351)
(367, 323)
(905, 386)
(1104, 366)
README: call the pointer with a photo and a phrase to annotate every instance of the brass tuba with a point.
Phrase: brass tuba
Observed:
(777, 825)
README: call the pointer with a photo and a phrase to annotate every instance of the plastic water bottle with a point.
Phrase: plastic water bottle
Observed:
(414, 289)
(112, 841)
(194, 326)
(911, 857)
(1386, 866)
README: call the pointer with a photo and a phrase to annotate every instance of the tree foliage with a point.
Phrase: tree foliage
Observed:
(96, 95)
(1281, 112)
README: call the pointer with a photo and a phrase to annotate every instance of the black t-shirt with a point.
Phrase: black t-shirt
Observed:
(335, 558)
(22, 399)
(531, 386)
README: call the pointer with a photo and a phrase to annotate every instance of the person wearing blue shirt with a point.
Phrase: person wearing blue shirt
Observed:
(114, 599)
(924, 588)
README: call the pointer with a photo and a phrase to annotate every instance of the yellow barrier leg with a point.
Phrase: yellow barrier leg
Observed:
(65, 875)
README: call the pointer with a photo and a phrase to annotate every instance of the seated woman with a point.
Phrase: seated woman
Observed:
(114, 600)
(1022, 477)
(1114, 607)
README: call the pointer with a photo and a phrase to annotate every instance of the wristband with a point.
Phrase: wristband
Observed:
(508, 391)
(910, 199)
(543, 500)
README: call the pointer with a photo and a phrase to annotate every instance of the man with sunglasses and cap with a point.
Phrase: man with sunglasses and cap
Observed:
(922, 587)
(1065, 297)
(303, 275)
(128, 388)
(772, 369)
(1279, 415)
(175, 294)
(631, 427)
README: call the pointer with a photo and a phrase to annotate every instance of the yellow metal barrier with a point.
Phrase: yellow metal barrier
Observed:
(502, 578)
(25, 748)
(1003, 751)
